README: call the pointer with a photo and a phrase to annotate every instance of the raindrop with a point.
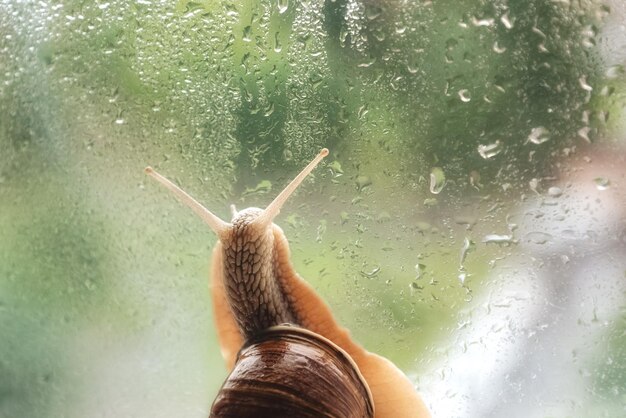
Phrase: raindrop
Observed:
(437, 180)
(362, 111)
(482, 22)
(474, 178)
(419, 270)
(372, 273)
(464, 95)
(555, 191)
(423, 227)
(451, 43)
(366, 64)
(489, 150)
(583, 83)
(468, 221)
(499, 239)
(534, 184)
(373, 12)
(246, 33)
(539, 135)
(415, 286)
(584, 134)
(362, 182)
(468, 246)
(539, 238)
(506, 21)
(614, 71)
(277, 46)
(264, 186)
(497, 48)
(283, 5)
(463, 276)
(321, 230)
(335, 169)
(602, 183)
(607, 91)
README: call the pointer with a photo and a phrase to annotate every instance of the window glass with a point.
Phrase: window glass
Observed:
(469, 223)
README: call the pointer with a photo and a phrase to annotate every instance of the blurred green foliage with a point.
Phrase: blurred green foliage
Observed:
(225, 98)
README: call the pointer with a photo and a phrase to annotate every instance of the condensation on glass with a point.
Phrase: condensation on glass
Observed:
(469, 223)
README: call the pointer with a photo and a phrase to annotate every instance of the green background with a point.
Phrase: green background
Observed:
(104, 303)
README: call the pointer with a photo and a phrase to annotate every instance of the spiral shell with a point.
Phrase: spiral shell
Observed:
(287, 371)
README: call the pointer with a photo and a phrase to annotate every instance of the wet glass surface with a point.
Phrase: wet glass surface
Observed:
(469, 223)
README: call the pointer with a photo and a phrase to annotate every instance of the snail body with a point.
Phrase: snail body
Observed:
(254, 287)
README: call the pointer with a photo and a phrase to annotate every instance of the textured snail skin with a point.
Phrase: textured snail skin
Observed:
(254, 295)
(291, 372)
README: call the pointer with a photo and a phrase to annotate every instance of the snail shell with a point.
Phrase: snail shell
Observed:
(288, 371)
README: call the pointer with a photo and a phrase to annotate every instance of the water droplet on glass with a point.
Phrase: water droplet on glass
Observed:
(372, 273)
(246, 33)
(474, 178)
(423, 227)
(583, 83)
(584, 134)
(534, 184)
(602, 183)
(614, 71)
(506, 21)
(277, 46)
(419, 270)
(468, 221)
(264, 186)
(555, 191)
(539, 238)
(363, 110)
(283, 5)
(539, 135)
(463, 276)
(335, 169)
(362, 182)
(464, 95)
(366, 64)
(437, 180)
(482, 22)
(468, 246)
(498, 239)
(415, 286)
(321, 230)
(372, 12)
(489, 150)
(498, 49)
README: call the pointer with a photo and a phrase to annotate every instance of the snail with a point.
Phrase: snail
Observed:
(255, 291)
